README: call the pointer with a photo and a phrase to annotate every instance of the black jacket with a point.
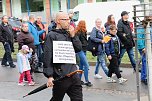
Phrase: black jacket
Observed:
(125, 34)
(83, 38)
(56, 70)
(6, 33)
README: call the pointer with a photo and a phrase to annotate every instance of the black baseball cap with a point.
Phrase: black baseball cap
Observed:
(124, 13)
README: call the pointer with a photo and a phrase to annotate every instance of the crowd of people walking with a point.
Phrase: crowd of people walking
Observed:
(35, 50)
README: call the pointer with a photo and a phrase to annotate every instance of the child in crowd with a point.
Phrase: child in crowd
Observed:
(24, 65)
(112, 49)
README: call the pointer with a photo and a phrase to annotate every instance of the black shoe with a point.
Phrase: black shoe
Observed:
(13, 66)
(120, 70)
(88, 84)
(5, 65)
(82, 83)
(144, 81)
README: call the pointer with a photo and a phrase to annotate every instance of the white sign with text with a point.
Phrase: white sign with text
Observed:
(63, 52)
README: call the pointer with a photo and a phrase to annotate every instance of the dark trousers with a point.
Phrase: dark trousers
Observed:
(39, 52)
(114, 67)
(70, 86)
(7, 55)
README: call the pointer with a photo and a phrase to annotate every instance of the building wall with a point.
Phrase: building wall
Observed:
(50, 7)
(6, 7)
(47, 10)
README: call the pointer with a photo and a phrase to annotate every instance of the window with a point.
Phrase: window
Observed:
(34, 5)
(1, 6)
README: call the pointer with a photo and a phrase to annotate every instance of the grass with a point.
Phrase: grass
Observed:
(13, 54)
(90, 58)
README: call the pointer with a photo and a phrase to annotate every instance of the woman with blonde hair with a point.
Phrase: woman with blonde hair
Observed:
(84, 65)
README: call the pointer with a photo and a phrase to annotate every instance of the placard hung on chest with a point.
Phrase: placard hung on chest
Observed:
(63, 52)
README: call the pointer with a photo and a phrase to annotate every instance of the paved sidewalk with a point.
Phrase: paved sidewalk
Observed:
(101, 90)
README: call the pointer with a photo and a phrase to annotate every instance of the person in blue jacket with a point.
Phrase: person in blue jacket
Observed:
(112, 49)
(142, 50)
(35, 33)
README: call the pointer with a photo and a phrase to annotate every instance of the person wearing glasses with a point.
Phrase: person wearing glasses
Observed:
(70, 85)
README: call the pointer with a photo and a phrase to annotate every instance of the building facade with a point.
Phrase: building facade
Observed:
(44, 8)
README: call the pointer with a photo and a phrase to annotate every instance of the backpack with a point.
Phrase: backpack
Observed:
(93, 46)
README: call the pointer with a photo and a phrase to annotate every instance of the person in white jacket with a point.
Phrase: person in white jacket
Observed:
(24, 65)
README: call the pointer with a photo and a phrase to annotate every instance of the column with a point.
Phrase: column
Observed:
(82, 1)
(64, 5)
(16, 8)
(91, 1)
(6, 7)
(47, 12)
(54, 6)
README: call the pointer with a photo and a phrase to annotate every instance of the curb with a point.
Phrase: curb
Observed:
(94, 63)
(121, 65)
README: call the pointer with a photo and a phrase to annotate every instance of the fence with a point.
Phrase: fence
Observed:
(143, 12)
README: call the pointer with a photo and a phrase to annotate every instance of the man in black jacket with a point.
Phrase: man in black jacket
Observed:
(126, 38)
(71, 85)
(7, 38)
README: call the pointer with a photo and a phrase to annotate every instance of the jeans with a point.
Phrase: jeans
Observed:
(101, 60)
(143, 69)
(7, 56)
(84, 65)
(39, 53)
(27, 74)
(131, 57)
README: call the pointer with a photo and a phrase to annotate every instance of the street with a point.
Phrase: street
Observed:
(101, 90)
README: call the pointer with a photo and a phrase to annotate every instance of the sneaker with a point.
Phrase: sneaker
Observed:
(113, 75)
(111, 80)
(88, 84)
(31, 83)
(122, 80)
(21, 84)
(97, 76)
